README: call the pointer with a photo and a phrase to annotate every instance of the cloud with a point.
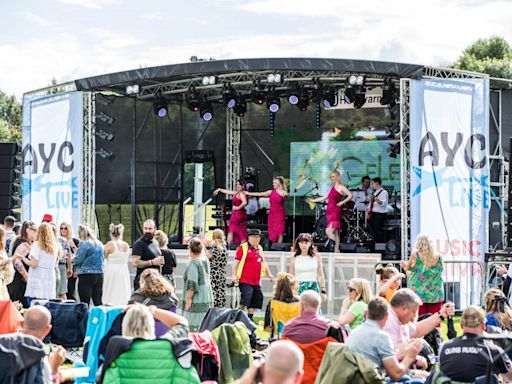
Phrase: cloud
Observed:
(33, 18)
(92, 4)
(153, 16)
(113, 40)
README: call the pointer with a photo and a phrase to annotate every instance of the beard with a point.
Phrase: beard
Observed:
(148, 236)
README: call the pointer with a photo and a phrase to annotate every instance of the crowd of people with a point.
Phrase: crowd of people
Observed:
(387, 326)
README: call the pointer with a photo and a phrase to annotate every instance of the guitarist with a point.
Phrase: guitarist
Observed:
(377, 211)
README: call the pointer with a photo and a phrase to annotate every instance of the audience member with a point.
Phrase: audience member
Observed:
(309, 326)
(146, 252)
(356, 303)
(169, 257)
(66, 231)
(9, 233)
(375, 344)
(389, 281)
(286, 292)
(498, 314)
(89, 261)
(116, 280)
(21, 247)
(6, 268)
(467, 357)
(42, 260)
(218, 261)
(197, 289)
(248, 268)
(284, 364)
(155, 290)
(64, 264)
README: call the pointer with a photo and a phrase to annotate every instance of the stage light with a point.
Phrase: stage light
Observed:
(394, 150)
(160, 107)
(329, 98)
(360, 98)
(274, 78)
(240, 108)
(293, 99)
(392, 111)
(102, 134)
(229, 98)
(258, 97)
(105, 118)
(206, 111)
(193, 102)
(389, 93)
(104, 100)
(393, 128)
(350, 94)
(209, 80)
(303, 104)
(359, 80)
(273, 104)
(105, 154)
(352, 79)
(131, 89)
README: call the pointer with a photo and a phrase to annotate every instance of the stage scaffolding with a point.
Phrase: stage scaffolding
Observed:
(89, 159)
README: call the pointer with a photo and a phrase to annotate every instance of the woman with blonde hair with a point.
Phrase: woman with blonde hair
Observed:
(425, 275)
(66, 231)
(42, 260)
(116, 280)
(6, 268)
(218, 261)
(89, 266)
(170, 263)
(356, 304)
(498, 312)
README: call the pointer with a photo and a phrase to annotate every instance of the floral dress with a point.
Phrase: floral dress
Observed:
(427, 282)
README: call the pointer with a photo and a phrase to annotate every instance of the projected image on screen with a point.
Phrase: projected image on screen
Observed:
(312, 162)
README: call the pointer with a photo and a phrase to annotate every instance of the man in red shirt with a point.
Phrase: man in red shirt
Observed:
(249, 275)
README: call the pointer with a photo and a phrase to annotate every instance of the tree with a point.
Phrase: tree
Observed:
(10, 118)
(492, 56)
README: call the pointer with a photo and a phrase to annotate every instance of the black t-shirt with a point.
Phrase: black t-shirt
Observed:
(146, 252)
(467, 357)
(170, 261)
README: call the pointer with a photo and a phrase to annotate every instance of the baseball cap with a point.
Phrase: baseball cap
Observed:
(47, 217)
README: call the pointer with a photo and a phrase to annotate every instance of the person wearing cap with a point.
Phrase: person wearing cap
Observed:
(47, 218)
(469, 356)
(248, 268)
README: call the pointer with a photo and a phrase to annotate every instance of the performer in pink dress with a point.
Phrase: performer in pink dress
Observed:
(237, 230)
(335, 201)
(277, 214)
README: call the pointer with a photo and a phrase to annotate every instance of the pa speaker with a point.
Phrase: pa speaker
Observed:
(281, 247)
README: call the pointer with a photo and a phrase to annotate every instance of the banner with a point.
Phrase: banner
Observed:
(449, 159)
(52, 157)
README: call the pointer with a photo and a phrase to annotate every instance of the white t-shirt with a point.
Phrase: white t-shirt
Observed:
(383, 196)
(306, 268)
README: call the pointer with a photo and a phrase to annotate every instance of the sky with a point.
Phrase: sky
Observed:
(71, 39)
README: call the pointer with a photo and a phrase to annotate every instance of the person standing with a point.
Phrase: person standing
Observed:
(42, 260)
(116, 281)
(425, 275)
(89, 262)
(197, 290)
(335, 201)
(9, 234)
(146, 252)
(277, 213)
(66, 231)
(218, 261)
(6, 268)
(64, 266)
(237, 229)
(168, 255)
(247, 271)
(20, 248)
(378, 210)
(306, 266)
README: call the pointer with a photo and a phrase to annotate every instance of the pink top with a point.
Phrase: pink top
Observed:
(399, 332)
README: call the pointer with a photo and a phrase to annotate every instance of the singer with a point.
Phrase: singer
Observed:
(335, 201)
(277, 214)
(237, 230)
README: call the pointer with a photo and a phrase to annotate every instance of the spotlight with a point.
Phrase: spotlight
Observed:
(360, 80)
(352, 79)
(329, 98)
(193, 102)
(393, 128)
(293, 97)
(388, 92)
(229, 98)
(209, 80)
(105, 118)
(350, 94)
(258, 97)
(274, 78)
(206, 112)
(273, 103)
(303, 101)
(360, 98)
(394, 150)
(104, 134)
(160, 107)
(104, 100)
(105, 154)
(240, 107)
(392, 110)
(131, 89)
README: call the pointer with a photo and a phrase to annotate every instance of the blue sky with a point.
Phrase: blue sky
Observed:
(69, 39)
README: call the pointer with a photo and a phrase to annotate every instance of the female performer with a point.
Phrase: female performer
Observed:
(237, 230)
(333, 213)
(277, 213)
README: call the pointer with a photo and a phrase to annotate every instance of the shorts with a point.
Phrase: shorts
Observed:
(251, 296)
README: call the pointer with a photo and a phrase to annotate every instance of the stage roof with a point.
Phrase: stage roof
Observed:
(153, 75)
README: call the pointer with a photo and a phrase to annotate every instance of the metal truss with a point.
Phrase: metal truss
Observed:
(57, 88)
(88, 159)
(233, 164)
(449, 73)
(405, 174)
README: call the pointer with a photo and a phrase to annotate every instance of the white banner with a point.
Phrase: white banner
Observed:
(450, 192)
(52, 157)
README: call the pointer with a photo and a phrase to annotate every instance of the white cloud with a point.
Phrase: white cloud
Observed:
(153, 16)
(33, 18)
(93, 4)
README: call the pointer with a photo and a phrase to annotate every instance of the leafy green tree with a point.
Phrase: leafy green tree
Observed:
(10, 118)
(492, 56)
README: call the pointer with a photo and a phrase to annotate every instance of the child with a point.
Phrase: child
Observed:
(389, 282)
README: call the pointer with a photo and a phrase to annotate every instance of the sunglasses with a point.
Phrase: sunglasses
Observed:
(64, 228)
(350, 289)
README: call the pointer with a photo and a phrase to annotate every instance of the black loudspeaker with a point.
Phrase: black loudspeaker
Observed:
(348, 247)
(10, 178)
(281, 247)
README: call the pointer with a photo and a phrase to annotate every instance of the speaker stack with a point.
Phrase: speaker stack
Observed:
(10, 180)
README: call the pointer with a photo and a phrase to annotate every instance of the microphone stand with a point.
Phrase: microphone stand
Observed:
(293, 224)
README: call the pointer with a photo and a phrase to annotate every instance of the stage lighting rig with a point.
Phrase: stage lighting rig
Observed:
(132, 89)
(193, 102)
(356, 80)
(229, 98)
(330, 98)
(206, 111)
(394, 150)
(209, 80)
(273, 103)
(102, 134)
(160, 107)
(389, 93)
(275, 78)
(105, 118)
(293, 96)
(258, 96)
(393, 128)
(105, 154)
(303, 100)
(240, 107)
(359, 97)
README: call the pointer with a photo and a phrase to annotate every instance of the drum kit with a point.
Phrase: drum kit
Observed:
(354, 227)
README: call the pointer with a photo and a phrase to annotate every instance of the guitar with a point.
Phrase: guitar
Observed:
(369, 211)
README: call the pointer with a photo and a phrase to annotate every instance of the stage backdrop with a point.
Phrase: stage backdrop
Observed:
(52, 157)
(450, 174)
